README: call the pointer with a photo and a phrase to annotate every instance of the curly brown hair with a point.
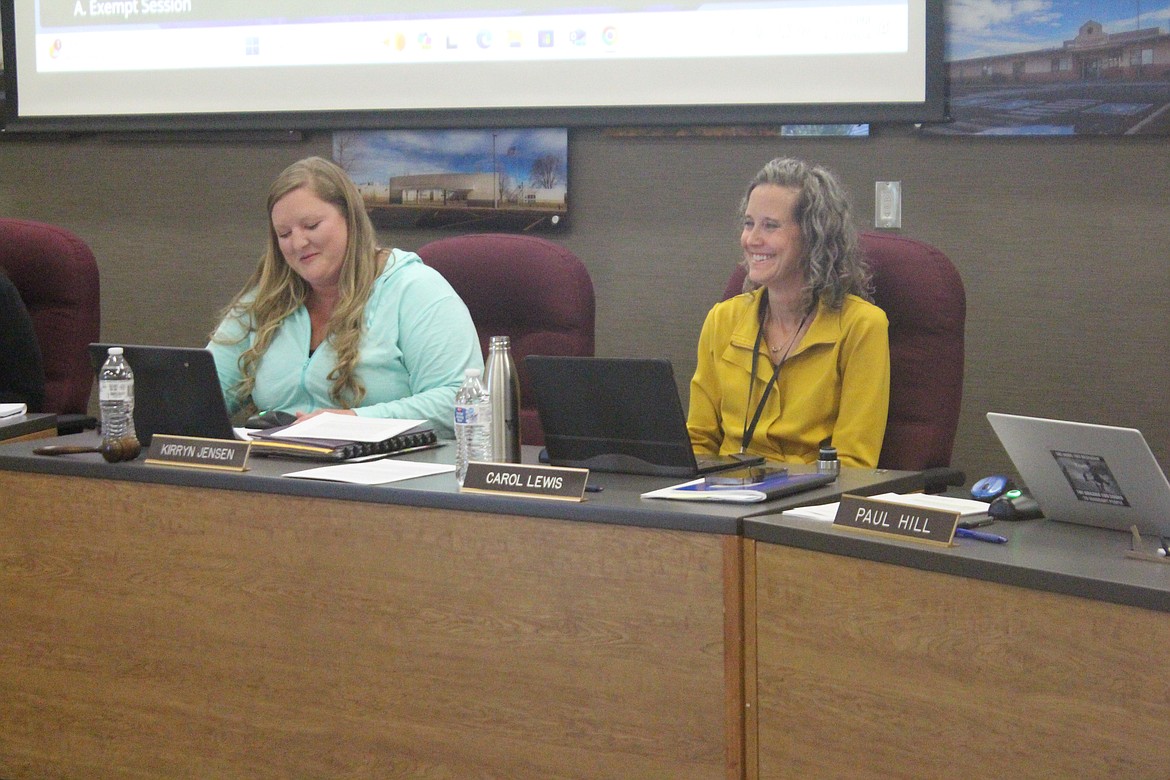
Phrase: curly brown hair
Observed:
(834, 265)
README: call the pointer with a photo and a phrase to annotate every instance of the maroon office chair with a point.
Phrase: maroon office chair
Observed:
(924, 300)
(57, 277)
(530, 289)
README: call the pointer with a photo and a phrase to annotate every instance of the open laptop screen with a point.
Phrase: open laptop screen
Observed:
(615, 414)
(176, 391)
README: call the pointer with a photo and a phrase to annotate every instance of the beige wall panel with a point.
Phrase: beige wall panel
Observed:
(1061, 243)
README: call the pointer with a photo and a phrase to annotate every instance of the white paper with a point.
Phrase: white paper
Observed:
(819, 512)
(964, 506)
(347, 427)
(729, 495)
(12, 410)
(374, 472)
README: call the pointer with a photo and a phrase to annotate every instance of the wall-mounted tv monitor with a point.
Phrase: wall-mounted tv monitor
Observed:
(308, 64)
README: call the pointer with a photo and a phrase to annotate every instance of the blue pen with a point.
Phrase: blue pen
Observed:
(982, 536)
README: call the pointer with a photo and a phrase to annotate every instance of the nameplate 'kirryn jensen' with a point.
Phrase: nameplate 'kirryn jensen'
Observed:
(531, 481)
(191, 452)
(886, 518)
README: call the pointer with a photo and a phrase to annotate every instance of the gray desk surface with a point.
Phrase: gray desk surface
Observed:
(619, 503)
(1040, 554)
(22, 424)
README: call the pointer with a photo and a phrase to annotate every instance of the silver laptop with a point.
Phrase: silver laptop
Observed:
(1096, 475)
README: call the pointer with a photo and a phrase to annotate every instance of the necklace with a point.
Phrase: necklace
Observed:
(774, 350)
(791, 341)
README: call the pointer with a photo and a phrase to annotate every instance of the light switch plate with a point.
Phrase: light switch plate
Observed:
(887, 204)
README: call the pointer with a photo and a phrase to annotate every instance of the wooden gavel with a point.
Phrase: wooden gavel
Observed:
(114, 451)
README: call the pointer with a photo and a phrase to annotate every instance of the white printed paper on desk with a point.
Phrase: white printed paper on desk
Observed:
(966, 507)
(825, 513)
(373, 472)
(12, 410)
(347, 427)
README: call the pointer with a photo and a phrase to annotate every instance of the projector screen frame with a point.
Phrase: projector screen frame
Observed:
(933, 108)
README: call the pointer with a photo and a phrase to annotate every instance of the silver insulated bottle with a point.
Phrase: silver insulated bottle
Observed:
(503, 386)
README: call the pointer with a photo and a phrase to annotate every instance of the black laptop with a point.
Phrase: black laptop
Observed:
(618, 415)
(176, 391)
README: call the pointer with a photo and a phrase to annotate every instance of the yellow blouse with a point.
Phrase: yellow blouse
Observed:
(835, 384)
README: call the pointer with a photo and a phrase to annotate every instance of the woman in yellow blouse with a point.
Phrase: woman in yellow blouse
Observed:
(801, 359)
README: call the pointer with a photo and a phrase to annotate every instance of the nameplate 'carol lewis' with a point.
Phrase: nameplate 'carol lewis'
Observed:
(566, 484)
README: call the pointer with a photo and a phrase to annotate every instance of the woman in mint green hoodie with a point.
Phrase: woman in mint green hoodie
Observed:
(330, 321)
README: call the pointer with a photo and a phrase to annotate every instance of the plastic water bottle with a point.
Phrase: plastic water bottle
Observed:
(503, 386)
(116, 396)
(473, 423)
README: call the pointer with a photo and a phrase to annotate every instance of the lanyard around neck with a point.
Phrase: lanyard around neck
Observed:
(749, 430)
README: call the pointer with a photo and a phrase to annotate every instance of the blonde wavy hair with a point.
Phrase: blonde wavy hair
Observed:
(834, 265)
(274, 290)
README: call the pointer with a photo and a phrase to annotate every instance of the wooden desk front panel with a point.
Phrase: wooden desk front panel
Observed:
(48, 433)
(870, 670)
(161, 631)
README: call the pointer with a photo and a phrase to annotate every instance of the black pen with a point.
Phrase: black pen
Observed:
(593, 488)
